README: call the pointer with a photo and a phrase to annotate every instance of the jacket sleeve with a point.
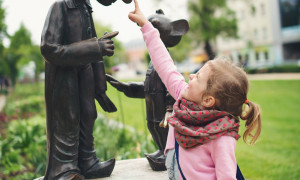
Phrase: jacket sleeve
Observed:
(163, 62)
(56, 51)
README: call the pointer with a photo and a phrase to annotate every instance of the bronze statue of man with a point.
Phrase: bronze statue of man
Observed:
(158, 100)
(74, 77)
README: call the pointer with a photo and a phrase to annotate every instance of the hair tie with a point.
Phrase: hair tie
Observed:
(246, 101)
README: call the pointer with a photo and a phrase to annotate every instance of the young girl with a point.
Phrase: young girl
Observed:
(205, 121)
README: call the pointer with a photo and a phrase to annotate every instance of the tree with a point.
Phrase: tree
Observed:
(3, 34)
(209, 19)
(36, 56)
(20, 44)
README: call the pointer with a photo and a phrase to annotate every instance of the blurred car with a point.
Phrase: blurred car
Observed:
(188, 66)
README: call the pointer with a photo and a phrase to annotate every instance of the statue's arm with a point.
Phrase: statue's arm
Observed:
(130, 89)
(56, 51)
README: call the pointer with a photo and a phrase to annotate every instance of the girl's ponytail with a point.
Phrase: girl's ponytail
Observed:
(253, 122)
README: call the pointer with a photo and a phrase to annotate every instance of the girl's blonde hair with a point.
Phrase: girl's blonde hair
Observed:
(229, 85)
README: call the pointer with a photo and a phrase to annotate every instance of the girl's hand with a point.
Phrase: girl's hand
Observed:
(137, 16)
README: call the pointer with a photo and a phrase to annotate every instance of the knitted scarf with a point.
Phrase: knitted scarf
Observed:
(194, 126)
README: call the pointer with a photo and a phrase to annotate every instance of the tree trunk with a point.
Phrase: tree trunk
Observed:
(208, 50)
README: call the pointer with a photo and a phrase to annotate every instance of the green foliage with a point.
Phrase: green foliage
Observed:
(36, 56)
(26, 100)
(20, 42)
(2, 23)
(274, 69)
(3, 34)
(23, 149)
(210, 19)
(22, 37)
(31, 104)
(23, 141)
(124, 142)
(19, 53)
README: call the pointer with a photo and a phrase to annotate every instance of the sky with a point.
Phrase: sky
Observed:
(33, 13)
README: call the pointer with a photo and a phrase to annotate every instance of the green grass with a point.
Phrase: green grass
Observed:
(277, 153)
(131, 111)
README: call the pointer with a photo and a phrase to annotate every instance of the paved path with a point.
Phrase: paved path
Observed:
(274, 76)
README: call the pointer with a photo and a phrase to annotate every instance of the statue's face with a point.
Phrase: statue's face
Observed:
(162, 23)
(109, 2)
(170, 31)
(164, 26)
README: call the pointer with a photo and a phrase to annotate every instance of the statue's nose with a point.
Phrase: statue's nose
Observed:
(127, 1)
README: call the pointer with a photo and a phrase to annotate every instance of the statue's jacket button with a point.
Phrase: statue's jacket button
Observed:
(89, 31)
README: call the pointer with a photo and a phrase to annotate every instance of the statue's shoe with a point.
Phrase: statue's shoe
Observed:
(100, 169)
(156, 160)
(70, 176)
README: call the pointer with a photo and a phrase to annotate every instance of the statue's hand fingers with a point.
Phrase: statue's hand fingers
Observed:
(116, 85)
(110, 35)
(110, 78)
(109, 52)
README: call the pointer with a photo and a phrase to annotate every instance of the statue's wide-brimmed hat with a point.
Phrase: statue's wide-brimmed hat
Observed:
(109, 2)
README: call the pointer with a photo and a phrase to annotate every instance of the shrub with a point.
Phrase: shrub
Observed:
(121, 142)
(23, 149)
(274, 69)
(23, 146)
(26, 106)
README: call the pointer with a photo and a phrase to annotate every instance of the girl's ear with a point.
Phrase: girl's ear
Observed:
(208, 101)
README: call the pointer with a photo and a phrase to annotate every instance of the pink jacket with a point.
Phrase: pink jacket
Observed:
(213, 160)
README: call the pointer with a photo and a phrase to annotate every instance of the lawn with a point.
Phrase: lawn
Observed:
(277, 153)
(131, 111)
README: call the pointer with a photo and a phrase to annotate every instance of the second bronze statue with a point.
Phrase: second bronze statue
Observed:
(158, 101)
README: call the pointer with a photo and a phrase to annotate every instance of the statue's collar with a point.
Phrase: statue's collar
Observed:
(72, 3)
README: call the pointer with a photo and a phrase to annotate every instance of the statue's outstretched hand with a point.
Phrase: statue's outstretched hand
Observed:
(120, 86)
(106, 43)
(106, 104)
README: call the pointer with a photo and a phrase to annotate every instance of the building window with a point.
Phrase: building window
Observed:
(246, 60)
(266, 54)
(257, 56)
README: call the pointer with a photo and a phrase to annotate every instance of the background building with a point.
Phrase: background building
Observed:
(269, 33)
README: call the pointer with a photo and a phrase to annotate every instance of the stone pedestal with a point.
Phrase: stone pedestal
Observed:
(133, 169)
